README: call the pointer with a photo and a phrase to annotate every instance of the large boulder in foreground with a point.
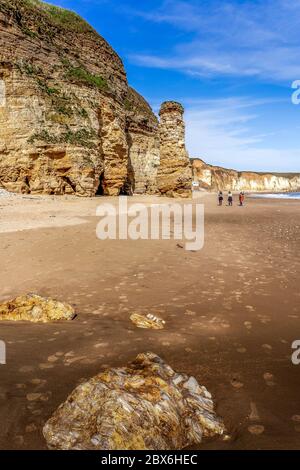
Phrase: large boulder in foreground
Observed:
(144, 406)
(36, 309)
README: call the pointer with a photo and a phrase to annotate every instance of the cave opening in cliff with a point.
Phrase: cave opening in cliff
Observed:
(67, 180)
(100, 190)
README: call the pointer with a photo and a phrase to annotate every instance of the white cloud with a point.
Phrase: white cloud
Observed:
(222, 130)
(240, 39)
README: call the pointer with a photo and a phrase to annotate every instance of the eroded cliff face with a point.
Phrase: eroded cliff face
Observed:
(143, 145)
(63, 121)
(215, 178)
(69, 122)
(175, 172)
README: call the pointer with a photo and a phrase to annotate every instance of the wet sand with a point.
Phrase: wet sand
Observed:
(232, 313)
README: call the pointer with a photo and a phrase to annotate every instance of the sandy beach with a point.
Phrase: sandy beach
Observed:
(231, 311)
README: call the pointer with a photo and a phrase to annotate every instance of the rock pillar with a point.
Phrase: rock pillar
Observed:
(175, 172)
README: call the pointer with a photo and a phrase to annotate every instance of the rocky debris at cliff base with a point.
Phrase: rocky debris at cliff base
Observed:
(147, 321)
(4, 193)
(35, 309)
(143, 406)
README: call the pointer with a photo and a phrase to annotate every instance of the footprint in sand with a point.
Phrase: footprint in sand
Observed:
(70, 354)
(26, 369)
(33, 396)
(31, 428)
(37, 381)
(254, 416)
(264, 319)
(269, 379)
(256, 429)
(190, 313)
(21, 386)
(250, 308)
(45, 396)
(52, 359)
(236, 383)
(296, 418)
(241, 350)
(72, 360)
(46, 366)
(100, 345)
(19, 440)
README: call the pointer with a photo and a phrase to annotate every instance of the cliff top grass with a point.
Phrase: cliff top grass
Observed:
(55, 16)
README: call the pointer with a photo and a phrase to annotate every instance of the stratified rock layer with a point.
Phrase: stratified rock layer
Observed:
(145, 405)
(64, 93)
(69, 122)
(214, 178)
(175, 173)
(143, 144)
(35, 309)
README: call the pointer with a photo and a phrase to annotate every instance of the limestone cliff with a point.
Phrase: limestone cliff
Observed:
(69, 122)
(214, 178)
(63, 121)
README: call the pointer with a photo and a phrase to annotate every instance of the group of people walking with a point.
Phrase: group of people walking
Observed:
(230, 198)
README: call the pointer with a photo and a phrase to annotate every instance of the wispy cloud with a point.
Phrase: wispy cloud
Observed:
(252, 38)
(224, 131)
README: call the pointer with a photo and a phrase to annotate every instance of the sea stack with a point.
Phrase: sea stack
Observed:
(175, 173)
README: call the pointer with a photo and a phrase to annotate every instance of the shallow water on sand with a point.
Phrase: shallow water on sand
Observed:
(280, 195)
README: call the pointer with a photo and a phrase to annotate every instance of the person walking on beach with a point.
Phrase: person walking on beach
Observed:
(242, 198)
(221, 198)
(230, 198)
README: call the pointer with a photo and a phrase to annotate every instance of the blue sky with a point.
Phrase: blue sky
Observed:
(230, 63)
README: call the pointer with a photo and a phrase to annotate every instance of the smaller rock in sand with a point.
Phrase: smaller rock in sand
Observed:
(35, 309)
(296, 418)
(256, 429)
(147, 321)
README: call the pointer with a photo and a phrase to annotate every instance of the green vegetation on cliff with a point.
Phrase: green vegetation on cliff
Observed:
(80, 75)
(54, 16)
(83, 137)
